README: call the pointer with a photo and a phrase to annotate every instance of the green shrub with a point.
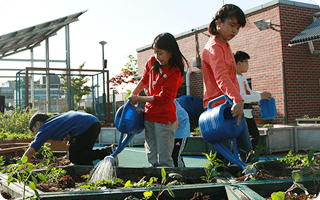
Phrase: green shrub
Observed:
(15, 126)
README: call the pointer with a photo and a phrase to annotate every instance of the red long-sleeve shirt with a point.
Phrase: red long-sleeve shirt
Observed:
(163, 87)
(219, 73)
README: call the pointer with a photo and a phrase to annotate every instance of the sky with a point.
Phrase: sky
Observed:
(125, 25)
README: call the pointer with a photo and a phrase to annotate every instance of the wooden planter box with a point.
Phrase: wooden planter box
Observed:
(16, 148)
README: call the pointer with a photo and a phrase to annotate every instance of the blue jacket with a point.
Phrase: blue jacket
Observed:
(183, 130)
(57, 127)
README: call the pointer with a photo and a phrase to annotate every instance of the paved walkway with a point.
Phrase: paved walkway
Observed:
(136, 157)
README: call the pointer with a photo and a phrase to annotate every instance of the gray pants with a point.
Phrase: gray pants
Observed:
(159, 143)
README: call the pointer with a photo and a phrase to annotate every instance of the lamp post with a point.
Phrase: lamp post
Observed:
(104, 88)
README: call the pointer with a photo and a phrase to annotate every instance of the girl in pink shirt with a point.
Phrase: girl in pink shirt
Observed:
(162, 77)
(219, 67)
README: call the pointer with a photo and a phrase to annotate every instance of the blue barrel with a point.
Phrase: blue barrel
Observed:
(268, 109)
(193, 105)
(199, 106)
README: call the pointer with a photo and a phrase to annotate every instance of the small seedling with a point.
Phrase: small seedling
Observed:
(149, 194)
(104, 182)
(210, 168)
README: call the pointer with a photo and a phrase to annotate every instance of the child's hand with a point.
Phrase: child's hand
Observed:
(134, 99)
(237, 110)
(265, 95)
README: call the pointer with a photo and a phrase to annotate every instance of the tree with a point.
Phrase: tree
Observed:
(127, 74)
(77, 85)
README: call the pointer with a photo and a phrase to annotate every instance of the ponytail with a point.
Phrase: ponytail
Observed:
(212, 27)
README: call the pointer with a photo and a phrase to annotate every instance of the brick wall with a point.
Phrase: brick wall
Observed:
(269, 52)
(264, 48)
(302, 68)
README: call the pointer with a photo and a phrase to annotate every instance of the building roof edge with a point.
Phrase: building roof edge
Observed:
(249, 11)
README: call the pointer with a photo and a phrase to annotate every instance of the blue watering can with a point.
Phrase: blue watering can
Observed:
(129, 120)
(217, 125)
(268, 108)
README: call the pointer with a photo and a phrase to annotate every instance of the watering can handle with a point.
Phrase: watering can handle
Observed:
(124, 110)
(218, 98)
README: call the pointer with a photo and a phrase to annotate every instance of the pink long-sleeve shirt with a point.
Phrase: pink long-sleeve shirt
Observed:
(219, 73)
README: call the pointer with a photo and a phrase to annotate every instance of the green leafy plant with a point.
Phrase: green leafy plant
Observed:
(78, 85)
(267, 125)
(15, 126)
(115, 182)
(22, 172)
(311, 165)
(54, 174)
(196, 131)
(257, 152)
(210, 168)
(149, 194)
(291, 160)
(128, 72)
(141, 183)
(305, 116)
(296, 175)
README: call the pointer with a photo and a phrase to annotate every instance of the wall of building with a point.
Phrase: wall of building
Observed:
(265, 50)
(269, 52)
(302, 68)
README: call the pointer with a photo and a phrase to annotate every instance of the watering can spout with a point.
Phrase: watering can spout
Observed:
(112, 160)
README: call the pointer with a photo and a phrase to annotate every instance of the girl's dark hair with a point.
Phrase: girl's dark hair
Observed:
(240, 56)
(225, 12)
(38, 117)
(167, 42)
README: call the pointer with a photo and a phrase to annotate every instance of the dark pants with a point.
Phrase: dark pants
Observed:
(179, 145)
(253, 131)
(81, 147)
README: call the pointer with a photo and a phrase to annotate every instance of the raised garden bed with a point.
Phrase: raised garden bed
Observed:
(229, 184)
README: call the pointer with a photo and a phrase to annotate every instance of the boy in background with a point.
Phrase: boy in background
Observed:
(248, 95)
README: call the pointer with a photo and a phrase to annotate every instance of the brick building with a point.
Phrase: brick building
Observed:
(291, 74)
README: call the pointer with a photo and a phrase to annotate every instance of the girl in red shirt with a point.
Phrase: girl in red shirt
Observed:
(162, 76)
(219, 68)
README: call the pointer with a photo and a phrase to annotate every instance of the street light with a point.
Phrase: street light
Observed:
(104, 88)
